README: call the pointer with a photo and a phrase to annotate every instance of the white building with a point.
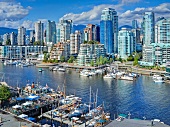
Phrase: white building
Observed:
(75, 40)
(21, 35)
(39, 32)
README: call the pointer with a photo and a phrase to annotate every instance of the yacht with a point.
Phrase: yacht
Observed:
(61, 69)
(126, 77)
(108, 76)
(55, 68)
(158, 80)
(155, 76)
(84, 74)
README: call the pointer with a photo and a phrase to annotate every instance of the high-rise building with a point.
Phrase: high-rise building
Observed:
(75, 41)
(109, 30)
(91, 33)
(148, 28)
(126, 43)
(32, 36)
(162, 31)
(39, 32)
(6, 37)
(134, 24)
(64, 29)
(13, 38)
(51, 32)
(21, 35)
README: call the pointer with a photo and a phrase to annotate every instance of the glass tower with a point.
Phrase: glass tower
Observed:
(109, 30)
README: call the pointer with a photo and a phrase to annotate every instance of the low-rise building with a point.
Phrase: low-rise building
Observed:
(90, 52)
(60, 49)
(21, 52)
(155, 54)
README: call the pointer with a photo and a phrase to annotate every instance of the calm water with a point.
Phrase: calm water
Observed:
(141, 98)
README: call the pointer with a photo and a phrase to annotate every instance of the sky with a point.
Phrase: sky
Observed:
(15, 13)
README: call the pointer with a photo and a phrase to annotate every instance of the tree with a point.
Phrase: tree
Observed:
(130, 58)
(71, 59)
(37, 43)
(92, 63)
(62, 59)
(8, 42)
(46, 56)
(111, 60)
(4, 93)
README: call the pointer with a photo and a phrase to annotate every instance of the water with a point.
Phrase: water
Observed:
(141, 98)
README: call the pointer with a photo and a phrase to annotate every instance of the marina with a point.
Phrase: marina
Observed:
(78, 85)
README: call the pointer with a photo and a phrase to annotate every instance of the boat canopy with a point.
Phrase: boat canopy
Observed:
(16, 106)
(23, 116)
(19, 99)
(27, 103)
(33, 98)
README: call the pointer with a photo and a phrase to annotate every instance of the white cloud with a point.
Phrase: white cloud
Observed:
(129, 1)
(91, 16)
(137, 13)
(12, 11)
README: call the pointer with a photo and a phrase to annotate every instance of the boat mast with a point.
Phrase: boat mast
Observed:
(96, 97)
(90, 99)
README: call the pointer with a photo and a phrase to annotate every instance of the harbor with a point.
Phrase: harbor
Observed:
(79, 87)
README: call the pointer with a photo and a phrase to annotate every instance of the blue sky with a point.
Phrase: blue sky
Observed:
(14, 13)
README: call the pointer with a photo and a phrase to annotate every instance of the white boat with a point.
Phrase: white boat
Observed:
(99, 71)
(108, 76)
(159, 80)
(113, 75)
(84, 74)
(62, 69)
(155, 76)
(55, 68)
(126, 77)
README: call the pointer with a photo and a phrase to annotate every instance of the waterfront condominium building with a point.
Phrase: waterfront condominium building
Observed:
(21, 52)
(162, 31)
(92, 33)
(51, 32)
(90, 52)
(75, 40)
(13, 38)
(148, 28)
(126, 43)
(64, 29)
(39, 32)
(60, 49)
(155, 54)
(5, 38)
(21, 35)
(109, 30)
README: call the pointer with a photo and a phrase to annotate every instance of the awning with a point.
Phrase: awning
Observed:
(33, 97)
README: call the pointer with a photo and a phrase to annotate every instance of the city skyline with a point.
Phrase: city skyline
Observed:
(15, 13)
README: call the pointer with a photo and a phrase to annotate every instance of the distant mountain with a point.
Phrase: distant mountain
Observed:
(4, 30)
(125, 26)
(78, 27)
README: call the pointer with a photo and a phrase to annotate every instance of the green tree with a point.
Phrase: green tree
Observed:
(37, 43)
(111, 60)
(4, 93)
(8, 42)
(71, 59)
(130, 58)
(62, 59)
(92, 63)
(46, 57)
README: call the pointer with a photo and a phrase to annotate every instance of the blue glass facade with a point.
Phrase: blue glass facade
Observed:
(106, 35)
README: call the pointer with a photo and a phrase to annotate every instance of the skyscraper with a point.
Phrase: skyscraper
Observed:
(162, 31)
(148, 28)
(6, 37)
(13, 38)
(21, 35)
(134, 24)
(64, 29)
(91, 32)
(39, 30)
(32, 36)
(51, 32)
(127, 43)
(109, 30)
(75, 40)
